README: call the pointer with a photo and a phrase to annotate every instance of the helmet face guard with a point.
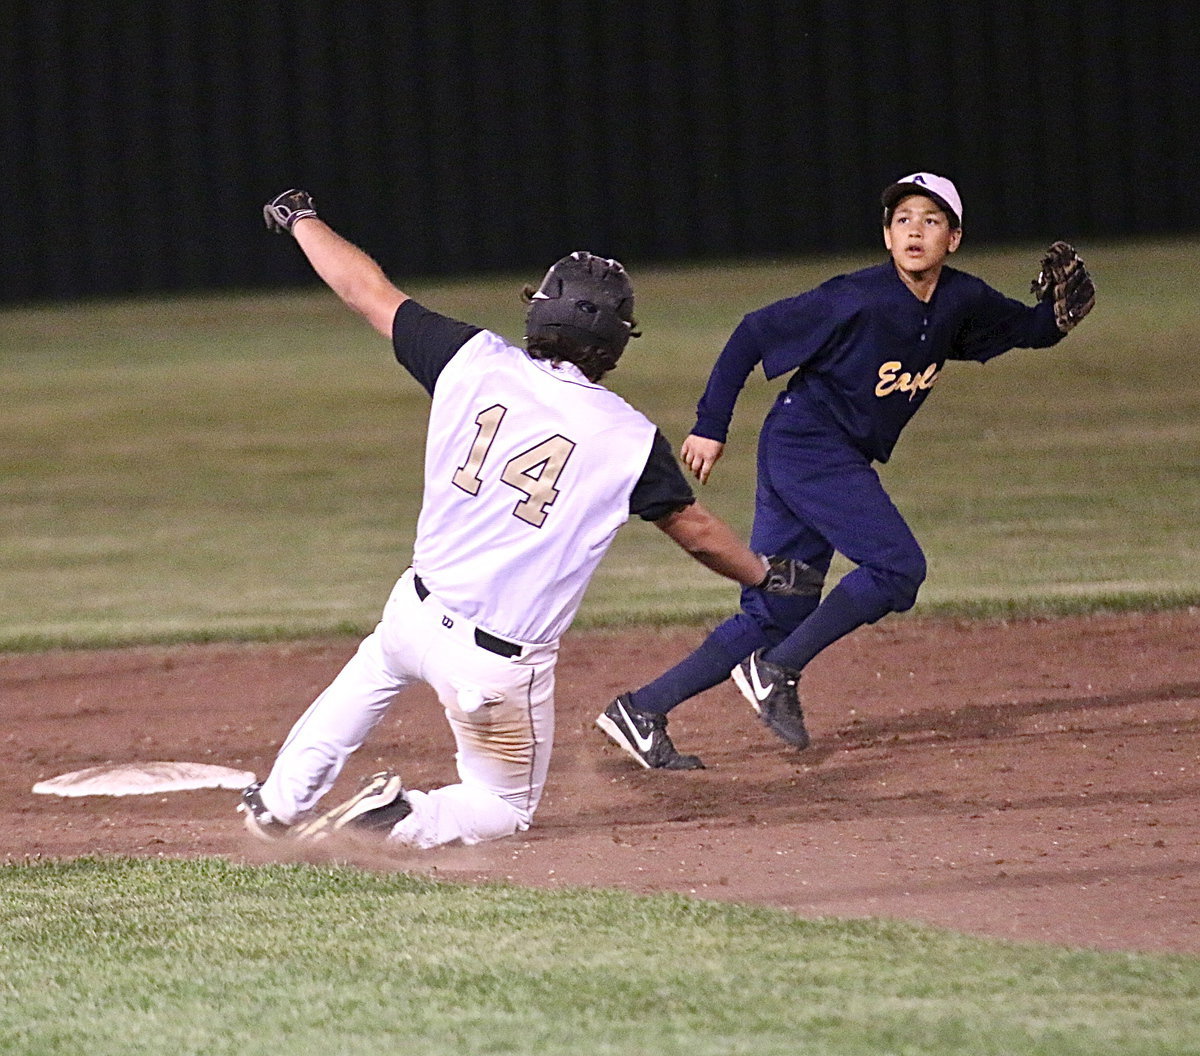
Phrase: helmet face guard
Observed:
(584, 297)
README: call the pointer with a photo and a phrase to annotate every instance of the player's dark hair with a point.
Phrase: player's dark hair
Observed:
(941, 203)
(594, 361)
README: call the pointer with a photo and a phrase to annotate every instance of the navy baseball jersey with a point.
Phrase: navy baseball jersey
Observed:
(866, 351)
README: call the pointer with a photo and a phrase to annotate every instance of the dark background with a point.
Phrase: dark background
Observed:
(140, 140)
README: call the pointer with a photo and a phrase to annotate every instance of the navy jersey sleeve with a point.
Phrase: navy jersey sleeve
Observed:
(661, 489)
(740, 356)
(782, 336)
(424, 341)
(996, 323)
(795, 332)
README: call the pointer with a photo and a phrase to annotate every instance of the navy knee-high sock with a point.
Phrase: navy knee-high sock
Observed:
(842, 611)
(707, 666)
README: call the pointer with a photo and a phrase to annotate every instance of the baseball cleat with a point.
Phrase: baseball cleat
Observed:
(375, 808)
(643, 734)
(259, 821)
(772, 692)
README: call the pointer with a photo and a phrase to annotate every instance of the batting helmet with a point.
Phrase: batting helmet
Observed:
(584, 297)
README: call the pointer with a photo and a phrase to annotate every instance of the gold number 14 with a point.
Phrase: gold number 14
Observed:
(534, 472)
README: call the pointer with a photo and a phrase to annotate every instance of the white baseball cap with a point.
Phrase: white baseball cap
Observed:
(938, 188)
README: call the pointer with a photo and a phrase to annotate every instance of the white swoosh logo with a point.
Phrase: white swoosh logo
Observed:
(760, 691)
(643, 743)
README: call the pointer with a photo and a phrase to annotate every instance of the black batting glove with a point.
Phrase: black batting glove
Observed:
(786, 575)
(282, 211)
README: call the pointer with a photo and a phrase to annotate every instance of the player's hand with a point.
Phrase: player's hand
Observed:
(700, 454)
(282, 211)
(790, 576)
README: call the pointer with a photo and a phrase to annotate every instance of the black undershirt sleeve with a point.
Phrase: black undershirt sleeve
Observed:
(424, 341)
(662, 488)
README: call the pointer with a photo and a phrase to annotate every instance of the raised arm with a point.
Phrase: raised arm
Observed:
(345, 269)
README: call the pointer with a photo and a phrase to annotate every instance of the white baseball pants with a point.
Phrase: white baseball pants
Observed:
(500, 709)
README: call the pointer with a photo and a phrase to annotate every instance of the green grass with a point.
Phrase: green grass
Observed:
(208, 957)
(249, 466)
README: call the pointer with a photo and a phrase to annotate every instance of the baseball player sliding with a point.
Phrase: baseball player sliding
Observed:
(531, 466)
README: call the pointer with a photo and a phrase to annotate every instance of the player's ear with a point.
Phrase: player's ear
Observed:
(955, 239)
(887, 237)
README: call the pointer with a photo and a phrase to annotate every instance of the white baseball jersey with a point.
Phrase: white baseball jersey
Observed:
(529, 469)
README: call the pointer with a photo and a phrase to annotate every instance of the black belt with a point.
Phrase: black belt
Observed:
(482, 639)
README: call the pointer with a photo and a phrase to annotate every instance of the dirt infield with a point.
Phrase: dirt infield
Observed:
(1037, 780)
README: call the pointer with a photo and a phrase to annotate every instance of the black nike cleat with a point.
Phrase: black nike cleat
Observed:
(772, 692)
(260, 822)
(643, 734)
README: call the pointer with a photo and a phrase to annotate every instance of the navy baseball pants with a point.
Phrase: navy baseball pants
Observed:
(817, 493)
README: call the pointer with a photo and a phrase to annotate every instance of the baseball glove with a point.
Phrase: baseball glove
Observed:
(1065, 282)
(282, 211)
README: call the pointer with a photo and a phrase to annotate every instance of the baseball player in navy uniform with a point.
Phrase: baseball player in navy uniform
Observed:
(531, 466)
(862, 353)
